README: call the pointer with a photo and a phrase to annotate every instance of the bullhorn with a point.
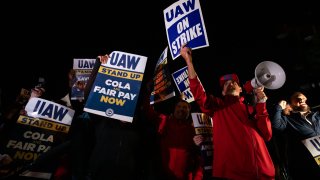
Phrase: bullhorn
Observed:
(268, 74)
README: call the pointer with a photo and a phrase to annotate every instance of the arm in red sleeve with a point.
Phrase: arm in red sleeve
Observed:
(263, 121)
(151, 114)
(208, 104)
(198, 172)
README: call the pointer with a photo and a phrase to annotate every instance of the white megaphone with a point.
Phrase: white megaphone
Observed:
(268, 74)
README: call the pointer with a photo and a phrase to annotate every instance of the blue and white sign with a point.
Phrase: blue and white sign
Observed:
(184, 24)
(82, 68)
(41, 108)
(116, 88)
(181, 79)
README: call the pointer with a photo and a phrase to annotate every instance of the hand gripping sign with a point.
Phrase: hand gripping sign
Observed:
(184, 24)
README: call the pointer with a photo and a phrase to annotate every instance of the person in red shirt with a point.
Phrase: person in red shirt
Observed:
(180, 157)
(239, 130)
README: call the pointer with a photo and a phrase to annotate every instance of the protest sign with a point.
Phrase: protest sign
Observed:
(116, 88)
(184, 24)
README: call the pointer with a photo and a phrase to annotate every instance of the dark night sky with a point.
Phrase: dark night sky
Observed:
(43, 42)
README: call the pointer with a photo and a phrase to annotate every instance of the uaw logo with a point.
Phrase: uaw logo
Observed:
(109, 112)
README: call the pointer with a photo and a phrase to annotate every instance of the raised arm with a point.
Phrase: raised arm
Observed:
(186, 53)
(278, 120)
(151, 114)
(100, 60)
(208, 104)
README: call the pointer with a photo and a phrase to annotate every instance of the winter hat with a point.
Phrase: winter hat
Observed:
(227, 77)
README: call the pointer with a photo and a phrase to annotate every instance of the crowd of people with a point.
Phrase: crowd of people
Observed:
(162, 146)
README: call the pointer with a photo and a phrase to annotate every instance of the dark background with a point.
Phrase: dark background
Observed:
(42, 40)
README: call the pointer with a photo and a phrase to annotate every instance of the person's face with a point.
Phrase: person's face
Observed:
(80, 85)
(36, 92)
(181, 110)
(232, 88)
(299, 103)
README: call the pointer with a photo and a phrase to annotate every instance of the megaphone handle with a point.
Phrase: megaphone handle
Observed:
(260, 96)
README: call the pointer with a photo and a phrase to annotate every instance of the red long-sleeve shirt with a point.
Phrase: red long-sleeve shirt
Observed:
(240, 151)
(180, 160)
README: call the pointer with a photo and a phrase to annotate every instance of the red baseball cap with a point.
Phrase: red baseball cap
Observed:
(227, 77)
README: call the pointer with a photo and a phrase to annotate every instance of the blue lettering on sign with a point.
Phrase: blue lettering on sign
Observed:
(188, 94)
(85, 64)
(125, 61)
(315, 143)
(187, 6)
(183, 76)
(52, 111)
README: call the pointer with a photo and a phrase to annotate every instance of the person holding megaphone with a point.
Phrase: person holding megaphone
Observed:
(239, 151)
